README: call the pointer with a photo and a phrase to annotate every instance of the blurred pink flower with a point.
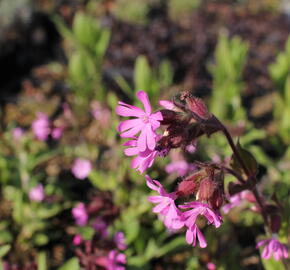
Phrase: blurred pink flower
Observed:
(211, 266)
(77, 240)
(80, 214)
(146, 122)
(180, 167)
(119, 239)
(37, 193)
(100, 113)
(235, 201)
(41, 126)
(143, 160)
(273, 248)
(101, 227)
(57, 132)
(17, 133)
(81, 168)
(165, 205)
(116, 261)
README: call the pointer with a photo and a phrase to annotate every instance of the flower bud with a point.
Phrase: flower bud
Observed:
(217, 199)
(190, 184)
(206, 189)
(196, 105)
(186, 188)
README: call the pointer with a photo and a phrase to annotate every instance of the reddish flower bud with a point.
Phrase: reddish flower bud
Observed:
(217, 199)
(186, 188)
(195, 105)
(190, 184)
(206, 189)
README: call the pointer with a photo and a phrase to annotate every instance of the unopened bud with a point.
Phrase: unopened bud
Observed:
(217, 199)
(206, 189)
(190, 184)
(196, 105)
(186, 188)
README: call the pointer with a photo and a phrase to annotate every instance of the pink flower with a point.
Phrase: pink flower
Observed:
(100, 113)
(235, 201)
(101, 227)
(81, 168)
(116, 261)
(80, 214)
(57, 132)
(119, 239)
(41, 126)
(273, 248)
(180, 167)
(203, 209)
(146, 122)
(192, 233)
(17, 133)
(77, 240)
(190, 217)
(37, 193)
(211, 266)
(143, 160)
(165, 205)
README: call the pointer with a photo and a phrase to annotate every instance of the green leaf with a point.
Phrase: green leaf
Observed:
(249, 161)
(4, 250)
(102, 43)
(41, 261)
(86, 29)
(142, 74)
(72, 264)
(165, 74)
(272, 264)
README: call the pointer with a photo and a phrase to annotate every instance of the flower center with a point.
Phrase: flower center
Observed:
(145, 119)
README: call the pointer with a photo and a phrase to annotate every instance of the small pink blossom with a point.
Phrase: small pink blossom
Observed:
(81, 168)
(190, 217)
(119, 239)
(80, 214)
(57, 132)
(41, 126)
(235, 201)
(100, 113)
(273, 248)
(116, 261)
(143, 160)
(37, 193)
(17, 133)
(180, 167)
(77, 240)
(165, 205)
(202, 209)
(101, 227)
(211, 266)
(145, 122)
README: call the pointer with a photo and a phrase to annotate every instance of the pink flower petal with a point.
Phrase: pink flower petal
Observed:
(143, 97)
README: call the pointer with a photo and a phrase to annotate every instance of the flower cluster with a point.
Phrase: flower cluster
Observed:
(103, 250)
(42, 128)
(201, 191)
